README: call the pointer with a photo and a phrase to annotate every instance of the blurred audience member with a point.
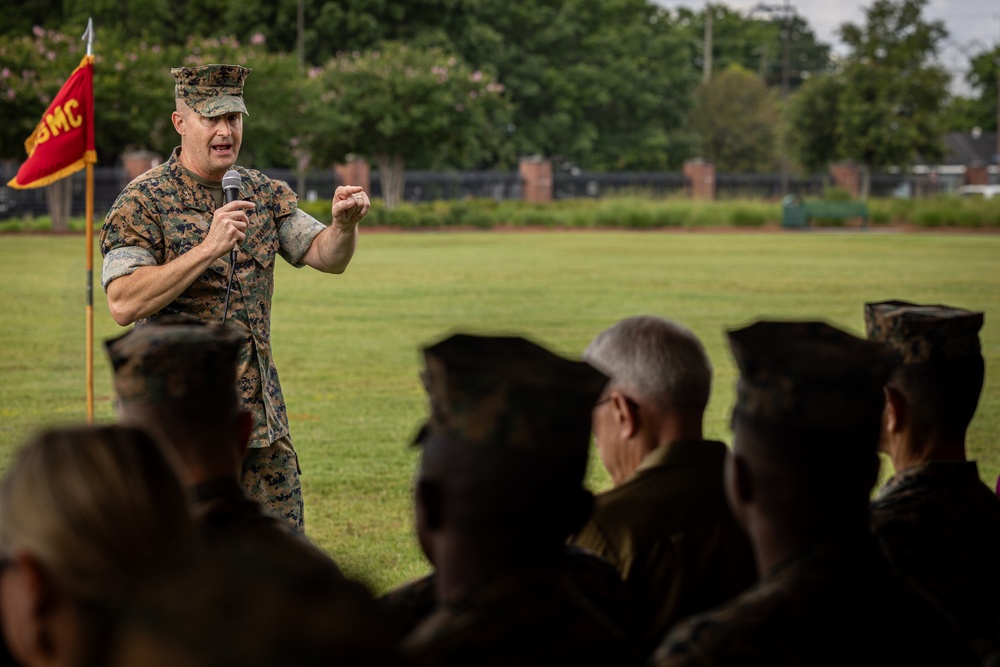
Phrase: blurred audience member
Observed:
(284, 600)
(178, 378)
(665, 525)
(499, 490)
(799, 477)
(935, 518)
(85, 513)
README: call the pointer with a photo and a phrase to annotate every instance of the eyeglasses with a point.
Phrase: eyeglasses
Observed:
(606, 399)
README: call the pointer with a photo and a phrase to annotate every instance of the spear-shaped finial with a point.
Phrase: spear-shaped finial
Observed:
(89, 36)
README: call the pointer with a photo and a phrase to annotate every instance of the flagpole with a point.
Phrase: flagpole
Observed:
(89, 235)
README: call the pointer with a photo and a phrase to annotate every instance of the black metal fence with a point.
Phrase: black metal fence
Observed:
(422, 186)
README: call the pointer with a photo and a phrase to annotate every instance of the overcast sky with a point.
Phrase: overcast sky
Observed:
(973, 25)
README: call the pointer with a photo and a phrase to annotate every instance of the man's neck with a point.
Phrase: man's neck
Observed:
(910, 449)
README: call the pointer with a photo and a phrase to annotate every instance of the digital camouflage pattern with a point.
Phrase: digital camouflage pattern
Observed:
(808, 374)
(532, 617)
(175, 359)
(164, 213)
(838, 604)
(211, 90)
(925, 333)
(271, 477)
(940, 524)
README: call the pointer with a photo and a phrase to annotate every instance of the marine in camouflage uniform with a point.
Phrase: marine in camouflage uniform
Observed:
(169, 211)
(804, 460)
(935, 518)
(500, 488)
(176, 376)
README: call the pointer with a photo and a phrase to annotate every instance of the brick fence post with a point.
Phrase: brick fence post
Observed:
(354, 172)
(847, 176)
(701, 177)
(137, 163)
(536, 174)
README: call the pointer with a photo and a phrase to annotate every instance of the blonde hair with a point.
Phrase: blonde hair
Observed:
(96, 505)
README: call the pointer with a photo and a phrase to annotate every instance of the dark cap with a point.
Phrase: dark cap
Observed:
(175, 359)
(211, 90)
(925, 333)
(809, 375)
(509, 393)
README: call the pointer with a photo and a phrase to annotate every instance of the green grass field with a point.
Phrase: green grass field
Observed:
(347, 347)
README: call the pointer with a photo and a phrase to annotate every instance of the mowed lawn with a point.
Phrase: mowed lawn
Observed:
(348, 347)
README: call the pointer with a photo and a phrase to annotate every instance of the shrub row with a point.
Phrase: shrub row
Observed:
(622, 213)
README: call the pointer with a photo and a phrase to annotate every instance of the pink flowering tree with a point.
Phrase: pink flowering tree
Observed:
(400, 106)
(32, 70)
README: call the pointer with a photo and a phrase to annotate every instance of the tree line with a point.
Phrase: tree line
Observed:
(474, 84)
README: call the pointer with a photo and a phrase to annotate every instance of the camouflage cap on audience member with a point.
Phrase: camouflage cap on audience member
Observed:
(211, 90)
(175, 358)
(809, 375)
(509, 393)
(925, 333)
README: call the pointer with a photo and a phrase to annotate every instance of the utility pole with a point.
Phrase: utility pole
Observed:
(784, 13)
(707, 55)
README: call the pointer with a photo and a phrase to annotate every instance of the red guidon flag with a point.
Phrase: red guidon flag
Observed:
(63, 141)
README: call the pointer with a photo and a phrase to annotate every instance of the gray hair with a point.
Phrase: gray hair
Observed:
(654, 358)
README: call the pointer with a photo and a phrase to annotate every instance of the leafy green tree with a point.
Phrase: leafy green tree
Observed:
(736, 116)
(813, 119)
(892, 102)
(399, 105)
(755, 41)
(981, 110)
(33, 68)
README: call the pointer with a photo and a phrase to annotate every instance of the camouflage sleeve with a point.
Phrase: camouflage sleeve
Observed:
(131, 237)
(123, 261)
(296, 234)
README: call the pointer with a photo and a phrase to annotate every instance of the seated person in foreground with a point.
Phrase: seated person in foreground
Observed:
(665, 525)
(799, 477)
(86, 513)
(177, 377)
(499, 489)
(935, 518)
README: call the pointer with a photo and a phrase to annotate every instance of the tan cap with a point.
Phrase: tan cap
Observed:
(211, 90)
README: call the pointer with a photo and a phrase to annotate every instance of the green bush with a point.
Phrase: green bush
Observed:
(747, 216)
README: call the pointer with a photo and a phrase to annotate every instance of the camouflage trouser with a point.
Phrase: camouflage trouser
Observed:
(271, 477)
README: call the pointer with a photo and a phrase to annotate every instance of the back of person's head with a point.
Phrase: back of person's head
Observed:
(177, 376)
(808, 416)
(941, 368)
(655, 358)
(92, 509)
(508, 434)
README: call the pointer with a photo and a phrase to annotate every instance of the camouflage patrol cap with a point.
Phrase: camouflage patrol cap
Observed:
(211, 90)
(925, 333)
(809, 375)
(176, 359)
(508, 393)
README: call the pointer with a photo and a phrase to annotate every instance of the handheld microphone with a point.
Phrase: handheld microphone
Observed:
(231, 182)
